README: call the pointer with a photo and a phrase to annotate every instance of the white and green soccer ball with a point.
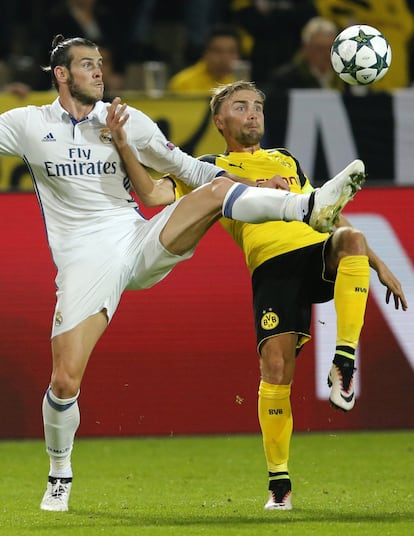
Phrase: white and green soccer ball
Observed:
(361, 55)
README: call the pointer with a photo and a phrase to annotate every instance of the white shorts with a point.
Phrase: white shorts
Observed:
(95, 269)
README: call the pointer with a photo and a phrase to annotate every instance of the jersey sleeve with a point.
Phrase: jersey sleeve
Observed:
(12, 127)
(160, 154)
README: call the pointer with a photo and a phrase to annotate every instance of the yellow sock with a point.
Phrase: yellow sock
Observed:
(350, 298)
(276, 422)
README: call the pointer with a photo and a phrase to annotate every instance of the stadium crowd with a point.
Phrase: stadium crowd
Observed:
(177, 36)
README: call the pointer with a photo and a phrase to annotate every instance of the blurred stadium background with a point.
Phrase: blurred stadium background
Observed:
(190, 340)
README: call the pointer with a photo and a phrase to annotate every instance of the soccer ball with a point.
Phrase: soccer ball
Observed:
(361, 55)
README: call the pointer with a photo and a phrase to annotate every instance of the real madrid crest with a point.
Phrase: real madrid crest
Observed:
(105, 135)
(58, 318)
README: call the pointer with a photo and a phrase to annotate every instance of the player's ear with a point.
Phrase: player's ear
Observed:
(218, 122)
(61, 73)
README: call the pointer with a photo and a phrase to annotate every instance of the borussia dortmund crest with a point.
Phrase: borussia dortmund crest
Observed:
(269, 320)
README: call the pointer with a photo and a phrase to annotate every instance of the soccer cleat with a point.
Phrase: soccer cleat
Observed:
(56, 497)
(326, 202)
(341, 381)
(280, 498)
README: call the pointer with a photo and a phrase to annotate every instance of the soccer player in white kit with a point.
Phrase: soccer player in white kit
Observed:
(99, 241)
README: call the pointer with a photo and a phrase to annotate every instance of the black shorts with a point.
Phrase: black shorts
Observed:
(284, 289)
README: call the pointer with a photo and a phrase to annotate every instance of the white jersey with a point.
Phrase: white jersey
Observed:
(99, 242)
(76, 170)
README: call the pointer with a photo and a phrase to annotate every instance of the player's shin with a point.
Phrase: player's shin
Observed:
(61, 420)
(350, 298)
(258, 205)
(276, 422)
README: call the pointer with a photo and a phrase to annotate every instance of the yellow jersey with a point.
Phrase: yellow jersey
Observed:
(264, 241)
(196, 80)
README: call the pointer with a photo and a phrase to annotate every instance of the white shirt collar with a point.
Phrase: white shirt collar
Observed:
(96, 112)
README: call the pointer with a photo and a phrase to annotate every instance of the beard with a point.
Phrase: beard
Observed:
(81, 95)
(248, 139)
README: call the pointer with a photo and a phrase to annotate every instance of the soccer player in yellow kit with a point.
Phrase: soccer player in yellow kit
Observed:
(292, 266)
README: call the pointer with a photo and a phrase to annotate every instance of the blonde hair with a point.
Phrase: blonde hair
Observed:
(318, 25)
(223, 91)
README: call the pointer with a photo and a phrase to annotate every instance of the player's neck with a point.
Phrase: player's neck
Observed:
(237, 148)
(75, 108)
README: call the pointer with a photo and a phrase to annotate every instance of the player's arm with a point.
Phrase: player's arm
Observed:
(384, 274)
(151, 192)
(277, 181)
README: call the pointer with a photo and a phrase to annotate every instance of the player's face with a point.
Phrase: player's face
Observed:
(241, 118)
(85, 81)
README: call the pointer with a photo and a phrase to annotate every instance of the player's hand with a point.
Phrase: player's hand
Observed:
(394, 288)
(277, 181)
(116, 120)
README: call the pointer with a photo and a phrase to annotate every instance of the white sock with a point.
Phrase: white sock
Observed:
(258, 205)
(61, 419)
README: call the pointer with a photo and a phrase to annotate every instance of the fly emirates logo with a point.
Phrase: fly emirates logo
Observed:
(80, 162)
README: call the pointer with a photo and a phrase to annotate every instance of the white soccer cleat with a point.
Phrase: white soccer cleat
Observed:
(279, 503)
(280, 498)
(327, 202)
(56, 497)
(341, 381)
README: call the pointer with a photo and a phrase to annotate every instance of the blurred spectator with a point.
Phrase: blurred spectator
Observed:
(95, 21)
(275, 27)
(311, 66)
(222, 50)
(199, 17)
(14, 79)
(411, 47)
(394, 19)
(173, 33)
(6, 33)
(140, 45)
(18, 89)
(7, 25)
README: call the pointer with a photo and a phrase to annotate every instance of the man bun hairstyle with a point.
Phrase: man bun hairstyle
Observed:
(60, 52)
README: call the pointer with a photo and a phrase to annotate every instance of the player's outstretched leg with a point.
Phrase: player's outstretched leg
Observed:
(327, 202)
(320, 209)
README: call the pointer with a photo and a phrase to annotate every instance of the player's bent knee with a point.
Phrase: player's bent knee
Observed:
(350, 241)
(275, 370)
(220, 186)
(64, 385)
(212, 194)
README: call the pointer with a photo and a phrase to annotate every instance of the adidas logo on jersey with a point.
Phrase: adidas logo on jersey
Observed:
(49, 137)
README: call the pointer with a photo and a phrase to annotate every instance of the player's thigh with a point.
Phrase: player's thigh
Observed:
(280, 304)
(190, 220)
(284, 289)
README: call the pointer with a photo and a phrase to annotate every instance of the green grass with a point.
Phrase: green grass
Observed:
(345, 483)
